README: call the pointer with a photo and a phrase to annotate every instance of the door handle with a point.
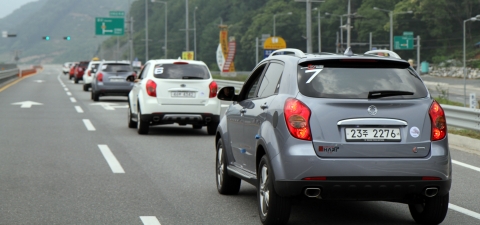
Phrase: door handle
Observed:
(264, 106)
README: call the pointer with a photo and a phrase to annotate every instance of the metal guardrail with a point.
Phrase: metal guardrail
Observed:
(4, 74)
(460, 117)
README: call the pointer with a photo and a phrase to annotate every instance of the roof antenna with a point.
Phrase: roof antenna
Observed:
(348, 52)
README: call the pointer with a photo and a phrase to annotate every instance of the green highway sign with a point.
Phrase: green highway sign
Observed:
(109, 26)
(117, 13)
(403, 42)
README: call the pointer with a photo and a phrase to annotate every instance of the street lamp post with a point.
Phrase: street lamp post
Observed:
(195, 34)
(146, 30)
(319, 30)
(390, 14)
(166, 10)
(186, 25)
(274, 25)
(464, 60)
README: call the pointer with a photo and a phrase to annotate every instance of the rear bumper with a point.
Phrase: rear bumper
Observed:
(181, 118)
(378, 190)
(112, 91)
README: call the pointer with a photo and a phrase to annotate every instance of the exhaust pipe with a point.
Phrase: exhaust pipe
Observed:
(156, 119)
(313, 193)
(431, 191)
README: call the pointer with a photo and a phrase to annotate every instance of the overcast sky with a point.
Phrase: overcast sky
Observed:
(8, 6)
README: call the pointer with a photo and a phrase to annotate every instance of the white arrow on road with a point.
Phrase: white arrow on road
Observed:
(26, 104)
(39, 81)
(109, 106)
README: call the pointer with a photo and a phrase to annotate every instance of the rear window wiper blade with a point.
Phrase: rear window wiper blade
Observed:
(386, 93)
(192, 77)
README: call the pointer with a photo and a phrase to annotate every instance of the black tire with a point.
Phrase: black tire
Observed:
(212, 128)
(430, 210)
(86, 87)
(131, 123)
(197, 126)
(69, 77)
(142, 126)
(272, 208)
(226, 184)
(75, 80)
(95, 97)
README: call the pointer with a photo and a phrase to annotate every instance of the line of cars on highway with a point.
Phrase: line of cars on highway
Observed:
(326, 126)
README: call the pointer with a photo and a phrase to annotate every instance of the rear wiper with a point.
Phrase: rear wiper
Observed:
(191, 77)
(381, 94)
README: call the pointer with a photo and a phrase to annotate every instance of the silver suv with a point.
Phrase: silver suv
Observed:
(335, 127)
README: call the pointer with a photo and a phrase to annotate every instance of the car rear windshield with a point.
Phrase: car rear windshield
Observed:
(181, 71)
(359, 79)
(83, 64)
(117, 67)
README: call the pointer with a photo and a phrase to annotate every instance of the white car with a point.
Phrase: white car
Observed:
(66, 67)
(89, 73)
(172, 91)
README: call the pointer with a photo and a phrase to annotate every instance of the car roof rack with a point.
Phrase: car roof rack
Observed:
(288, 51)
(390, 53)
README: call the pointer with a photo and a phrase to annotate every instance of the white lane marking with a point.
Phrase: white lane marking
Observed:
(111, 159)
(61, 82)
(73, 99)
(89, 125)
(150, 220)
(66, 89)
(79, 109)
(464, 211)
(69, 93)
(466, 165)
(225, 106)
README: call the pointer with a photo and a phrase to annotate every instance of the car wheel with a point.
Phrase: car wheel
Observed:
(142, 126)
(197, 126)
(226, 184)
(85, 87)
(430, 210)
(212, 128)
(273, 209)
(75, 80)
(131, 123)
(70, 77)
(95, 96)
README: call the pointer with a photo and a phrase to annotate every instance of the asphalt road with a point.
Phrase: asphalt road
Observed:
(71, 161)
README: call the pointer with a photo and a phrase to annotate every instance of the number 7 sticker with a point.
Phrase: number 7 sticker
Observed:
(315, 71)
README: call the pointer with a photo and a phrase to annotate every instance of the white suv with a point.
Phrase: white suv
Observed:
(174, 91)
(89, 73)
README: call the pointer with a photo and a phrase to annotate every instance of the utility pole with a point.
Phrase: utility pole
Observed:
(186, 25)
(146, 30)
(309, 22)
(348, 24)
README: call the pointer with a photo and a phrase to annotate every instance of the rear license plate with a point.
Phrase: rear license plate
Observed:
(116, 79)
(372, 134)
(186, 94)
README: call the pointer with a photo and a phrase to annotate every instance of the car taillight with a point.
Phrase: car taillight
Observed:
(213, 89)
(152, 88)
(89, 73)
(100, 77)
(439, 123)
(297, 117)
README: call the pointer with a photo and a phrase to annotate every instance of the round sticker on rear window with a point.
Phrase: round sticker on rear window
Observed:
(158, 70)
(414, 132)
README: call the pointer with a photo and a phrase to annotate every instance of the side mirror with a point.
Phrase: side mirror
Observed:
(227, 94)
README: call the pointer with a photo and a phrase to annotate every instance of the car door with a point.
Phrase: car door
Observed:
(235, 115)
(257, 113)
(137, 87)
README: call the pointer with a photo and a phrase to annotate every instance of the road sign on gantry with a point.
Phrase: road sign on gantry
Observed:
(403, 42)
(109, 26)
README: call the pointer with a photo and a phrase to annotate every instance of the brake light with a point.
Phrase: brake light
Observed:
(314, 178)
(439, 123)
(151, 88)
(297, 117)
(100, 77)
(213, 89)
(89, 73)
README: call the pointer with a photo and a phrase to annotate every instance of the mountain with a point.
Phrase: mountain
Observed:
(56, 19)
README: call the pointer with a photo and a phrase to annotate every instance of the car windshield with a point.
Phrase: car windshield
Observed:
(326, 80)
(181, 71)
(117, 68)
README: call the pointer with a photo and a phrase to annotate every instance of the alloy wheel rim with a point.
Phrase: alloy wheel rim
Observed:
(264, 192)
(220, 166)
